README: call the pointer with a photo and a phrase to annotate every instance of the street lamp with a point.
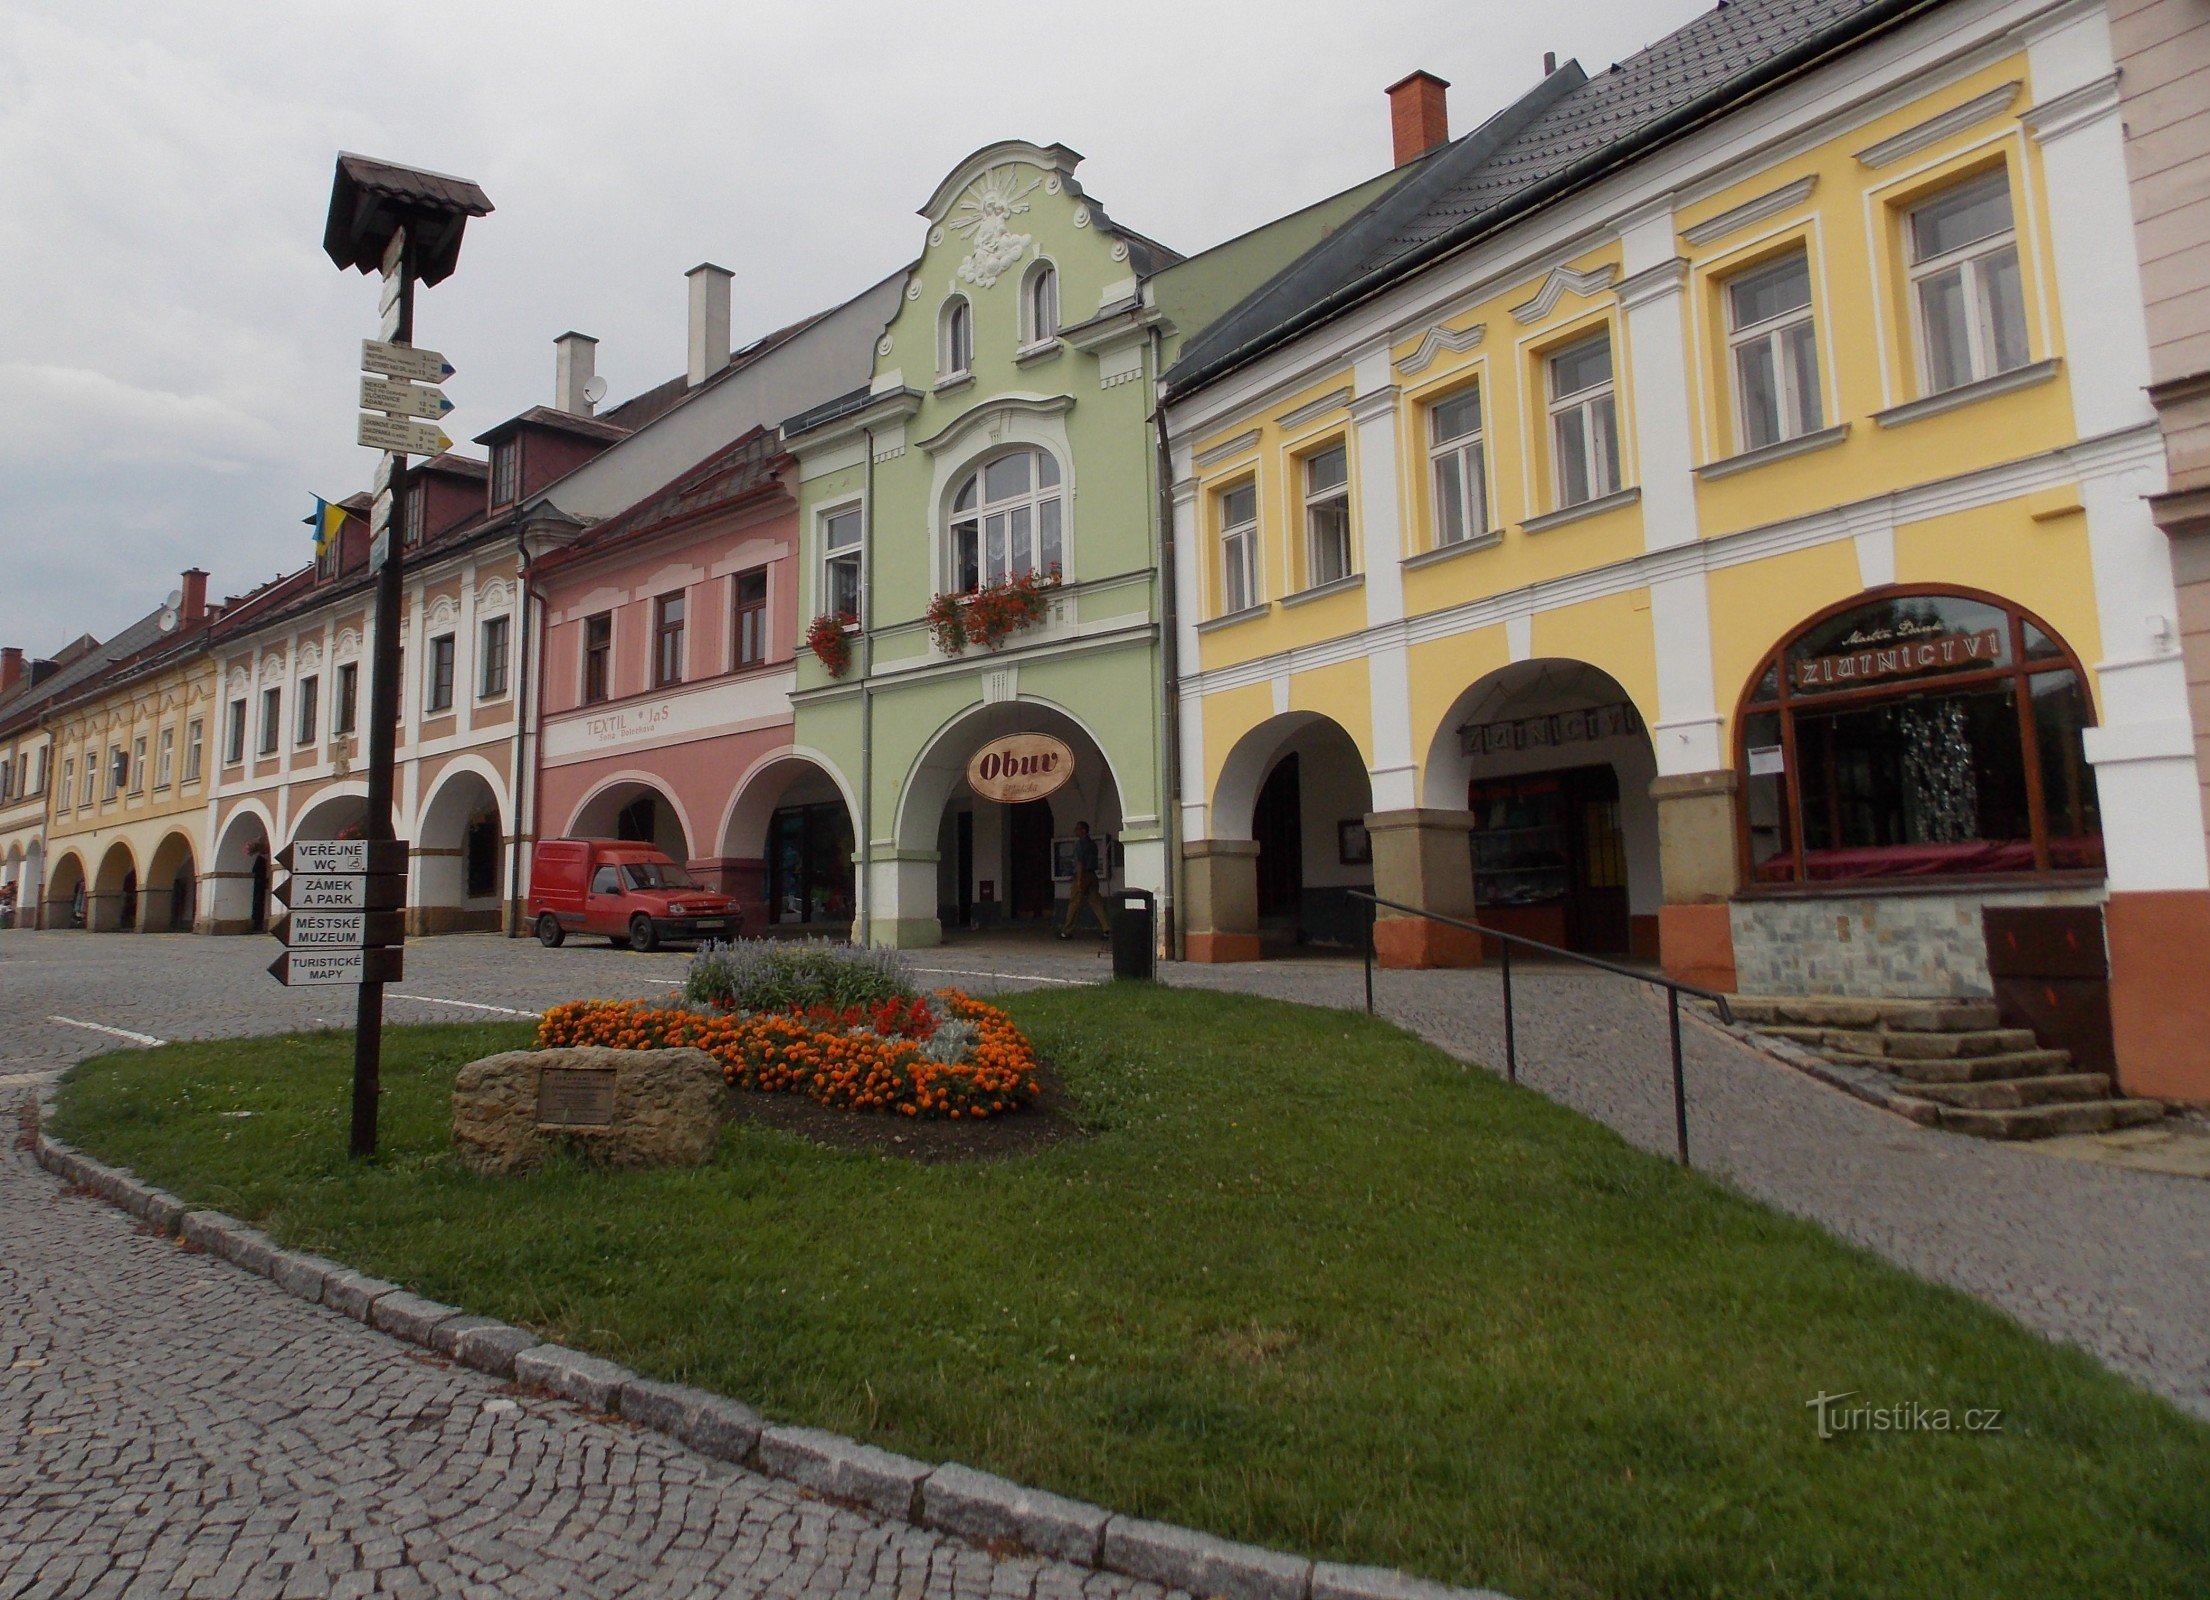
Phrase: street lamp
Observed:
(406, 225)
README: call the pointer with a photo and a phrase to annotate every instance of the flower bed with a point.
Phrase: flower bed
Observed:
(857, 1058)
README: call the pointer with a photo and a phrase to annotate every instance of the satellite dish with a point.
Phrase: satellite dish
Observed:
(176, 598)
(168, 620)
(594, 390)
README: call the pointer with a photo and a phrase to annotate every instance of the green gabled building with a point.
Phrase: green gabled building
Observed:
(1008, 429)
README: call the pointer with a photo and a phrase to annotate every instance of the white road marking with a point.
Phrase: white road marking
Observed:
(1019, 977)
(116, 1033)
(467, 1005)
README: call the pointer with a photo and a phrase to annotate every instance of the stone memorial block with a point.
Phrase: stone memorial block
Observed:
(619, 1108)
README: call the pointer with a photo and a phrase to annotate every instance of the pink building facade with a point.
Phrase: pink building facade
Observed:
(665, 680)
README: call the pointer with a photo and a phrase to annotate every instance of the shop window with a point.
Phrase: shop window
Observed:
(598, 652)
(1239, 547)
(480, 856)
(1964, 283)
(1327, 478)
(1922, 735)
(751, 617)
(840, 563)
(1774, 352)
(809, 865)
(1584, 422)
(1007, 519)
(1459, 473)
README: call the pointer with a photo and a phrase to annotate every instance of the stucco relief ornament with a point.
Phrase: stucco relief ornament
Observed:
(986, 214)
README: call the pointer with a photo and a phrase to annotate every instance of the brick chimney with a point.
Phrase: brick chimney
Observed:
(709, 320)
(575, 362)
(1419, 118)
(11, 667)
(194, 605)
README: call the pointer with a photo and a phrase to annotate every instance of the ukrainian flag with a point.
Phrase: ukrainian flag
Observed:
(326, 519)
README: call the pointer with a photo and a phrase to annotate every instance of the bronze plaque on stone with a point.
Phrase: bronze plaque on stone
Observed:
(569, 1097)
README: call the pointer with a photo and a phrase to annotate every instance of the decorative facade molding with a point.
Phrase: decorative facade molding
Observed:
(985, 215)
(1247, 440)
(2075, 108)
(1967, 393)
(1561, 279)
(1935, 129)
(1436, 340)
(1772, 204)
(1653, 283)
(1333, 400)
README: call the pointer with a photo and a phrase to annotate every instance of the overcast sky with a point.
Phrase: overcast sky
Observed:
(178, 365)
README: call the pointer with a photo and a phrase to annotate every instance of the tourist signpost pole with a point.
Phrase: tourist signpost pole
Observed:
(406, 225)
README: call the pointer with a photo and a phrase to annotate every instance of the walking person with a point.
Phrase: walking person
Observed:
(1085, 892)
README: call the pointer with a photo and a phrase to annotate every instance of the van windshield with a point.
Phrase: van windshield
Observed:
(657, 875)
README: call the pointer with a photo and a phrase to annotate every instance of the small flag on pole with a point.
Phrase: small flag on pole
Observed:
(326, 519)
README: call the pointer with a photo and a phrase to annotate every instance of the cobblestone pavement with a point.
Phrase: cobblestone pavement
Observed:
(2116, 1261)
(176, 1427)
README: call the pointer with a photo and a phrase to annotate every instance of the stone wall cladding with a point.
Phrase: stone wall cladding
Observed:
(1887, 946)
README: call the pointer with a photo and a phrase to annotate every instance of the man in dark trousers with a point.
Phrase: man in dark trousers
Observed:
(1085, 892)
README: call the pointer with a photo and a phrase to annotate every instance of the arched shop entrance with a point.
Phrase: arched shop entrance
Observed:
(787, 849)
(113, 907)
(336, 815)
(1550, 762)
(1296, 787)
(969, 862)
(633, 810)
(238, 897)
(67, 892)
(458, 862)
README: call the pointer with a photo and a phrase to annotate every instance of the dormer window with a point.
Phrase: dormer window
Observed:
(506, 472)
(955, 355)
(412, 520)
(1040, 304)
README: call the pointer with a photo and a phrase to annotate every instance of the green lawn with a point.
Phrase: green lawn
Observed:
(1310, 1283)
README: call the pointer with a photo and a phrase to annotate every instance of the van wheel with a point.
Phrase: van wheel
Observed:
(642, 936)
(550, 934)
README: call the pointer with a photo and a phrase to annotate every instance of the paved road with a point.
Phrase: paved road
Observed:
(174, 1427)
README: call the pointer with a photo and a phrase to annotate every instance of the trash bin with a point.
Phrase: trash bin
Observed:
(1134, 924)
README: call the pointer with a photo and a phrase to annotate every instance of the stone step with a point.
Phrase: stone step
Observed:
(1965, 1069)
(1835, 1011)
(2011, 1094)
(2045, 1122)
(1933, 1046)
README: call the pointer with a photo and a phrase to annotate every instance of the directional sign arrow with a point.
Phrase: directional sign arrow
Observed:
(402, 399)
(340, 930)
(343, 855)
(405, 361)
(313, 968)
(407, 438)
(349, 891)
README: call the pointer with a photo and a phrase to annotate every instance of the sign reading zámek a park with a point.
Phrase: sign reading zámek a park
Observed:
(1020, 766)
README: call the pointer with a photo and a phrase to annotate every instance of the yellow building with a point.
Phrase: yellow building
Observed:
(1700, 515)
(131, 757)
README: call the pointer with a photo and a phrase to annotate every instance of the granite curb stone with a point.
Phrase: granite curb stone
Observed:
(409, 1316)
(950, 1498)
(831, 1464)
(493, 1347)
(1202, 1563)
(983, 1509)
(572, 1375)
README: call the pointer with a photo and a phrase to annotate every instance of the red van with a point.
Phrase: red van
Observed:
(624, 890)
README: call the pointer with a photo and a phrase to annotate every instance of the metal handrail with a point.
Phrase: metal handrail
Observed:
(1673, 992)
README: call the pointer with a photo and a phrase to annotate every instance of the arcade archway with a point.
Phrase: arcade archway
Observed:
(787, 847)
(170, 899)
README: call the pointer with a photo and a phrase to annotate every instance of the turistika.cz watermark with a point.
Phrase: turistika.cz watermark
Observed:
(1836, 1416)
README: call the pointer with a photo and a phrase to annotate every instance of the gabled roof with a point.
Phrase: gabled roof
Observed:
(1563, 134)
(739, 471)
(599, 430)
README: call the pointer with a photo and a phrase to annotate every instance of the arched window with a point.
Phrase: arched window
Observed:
(1917, 735)
(1040, 304)
(956, 352)
(1006, 520)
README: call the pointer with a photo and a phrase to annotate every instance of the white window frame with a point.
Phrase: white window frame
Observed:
(118, 771)
(1968, 262)
(1773, 333)
(1042, 278)
(1603, 471)
(1463, 457)
(164, 761)
(1238, 550)
(853, 555)
(68, 782)
(955, 338)
(138, 765)
(984, 511)
(1317, 503)
(195, 741)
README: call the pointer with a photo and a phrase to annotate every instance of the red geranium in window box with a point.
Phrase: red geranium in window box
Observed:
(831, 642)
(990, 615)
